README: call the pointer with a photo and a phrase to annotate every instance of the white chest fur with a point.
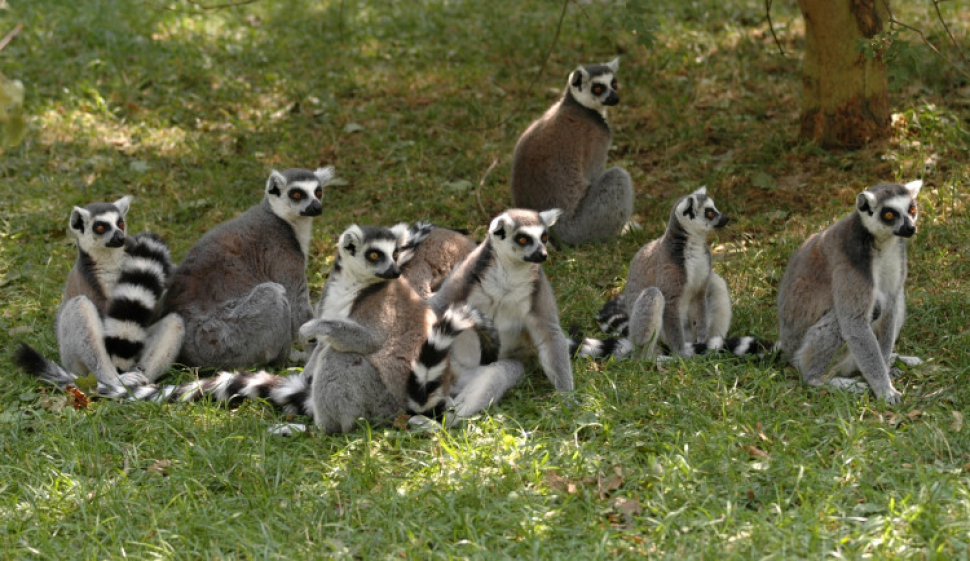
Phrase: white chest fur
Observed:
(341, 295)
(697, 266)
(107, 267)
(303, 230)
(505, 296)
(887, 271)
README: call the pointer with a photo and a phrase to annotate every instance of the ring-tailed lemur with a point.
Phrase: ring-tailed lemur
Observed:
(560, 160)
(105, 322)
(503, 279)
(841, 302)
(429, 253)
(242, 288)
(673, 295)
(380, 349)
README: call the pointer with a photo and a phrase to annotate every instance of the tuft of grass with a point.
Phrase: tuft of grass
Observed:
(188, 108)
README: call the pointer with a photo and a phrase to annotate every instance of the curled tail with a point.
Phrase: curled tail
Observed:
(131, 309)
(426, 392)
(613, 318)
(289, 393)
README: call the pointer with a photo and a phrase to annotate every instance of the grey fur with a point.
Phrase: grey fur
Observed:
(431, 258)
(672, 294)
(242, 288)
(841, 302)
(560, 161)
(79, 324)
(503, 279)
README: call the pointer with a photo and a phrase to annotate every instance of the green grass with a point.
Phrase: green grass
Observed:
(188, 109)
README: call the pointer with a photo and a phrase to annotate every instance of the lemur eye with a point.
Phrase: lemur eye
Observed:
(318, 193)
(598, 89)
(522, 240)
(888, 215)
(545, 237)
(121, 224)
(373, 255)
(614, 85)
(100, 228)
(296, 195)
(912, 210)
(395, 254)
(710, 214)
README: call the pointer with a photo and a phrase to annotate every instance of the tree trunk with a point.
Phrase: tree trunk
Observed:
(845, 100)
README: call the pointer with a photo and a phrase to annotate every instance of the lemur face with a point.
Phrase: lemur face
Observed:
(595, 86)
(100, 226)
(297, 193)
(696, 213)
(368, 253)
(522, 235)
(890, 209)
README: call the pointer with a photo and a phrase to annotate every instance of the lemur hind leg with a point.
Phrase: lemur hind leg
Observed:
(254, 329)
(162, 346)
(486, 385)
(646, 321)
(80, 336)
(602, 212)
(819, 359)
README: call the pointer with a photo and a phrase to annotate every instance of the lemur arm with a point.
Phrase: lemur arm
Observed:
(893, 314)
(853, 311)
(344, 335)
(548, 338)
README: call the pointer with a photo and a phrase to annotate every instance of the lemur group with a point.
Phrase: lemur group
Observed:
(421, 320)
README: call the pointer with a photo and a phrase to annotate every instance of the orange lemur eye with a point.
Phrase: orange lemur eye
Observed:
(614, 85)
(912, 210)
(889, 215)
(522, 240)
(544, 238)
(709, 213)
(100, 228)
(318, 193)
(121, 224)
(598, 89)
(296, 195)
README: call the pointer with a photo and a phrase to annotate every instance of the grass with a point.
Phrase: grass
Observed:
(189, 108)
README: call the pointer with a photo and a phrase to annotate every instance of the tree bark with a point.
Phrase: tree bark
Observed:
(845, 101)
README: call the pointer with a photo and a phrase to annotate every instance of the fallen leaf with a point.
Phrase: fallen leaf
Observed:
(77, 398)
(755, 451)
(160, 467)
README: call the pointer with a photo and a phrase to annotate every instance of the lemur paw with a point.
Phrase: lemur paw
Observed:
(314, 330)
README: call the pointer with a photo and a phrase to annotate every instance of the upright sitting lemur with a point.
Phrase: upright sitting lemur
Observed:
(672, 294)
(242, 288)
(106, 321)
(503, 279)
(560, 161)
(841, 302)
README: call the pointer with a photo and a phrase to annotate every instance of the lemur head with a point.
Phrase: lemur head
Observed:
(697, 214)
(595, 86)
(368, 254)
(100, 226)
(296, 193)
(889, 209)
(520, 235)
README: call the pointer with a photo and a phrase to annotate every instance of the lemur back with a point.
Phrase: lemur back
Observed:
(429, 254)
(672, 295)
(242, 287)
(560, 160)
(841, 302)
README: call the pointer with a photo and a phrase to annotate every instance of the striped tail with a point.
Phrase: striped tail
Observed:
(589, 347)
(289, 393)
(738, 346)
(34, 363)
(145, 271)
(426, 394)
(613, 318)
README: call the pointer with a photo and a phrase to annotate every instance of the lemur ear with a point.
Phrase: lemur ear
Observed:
(614, 64)
(324, 175)
(687, 206)
(123, 204)
(913, 187)
(400, 231)
(865, 202)
(79, 217)
(577, 77)
(275, 183)
(701, 191)
(499, 224)
(351, 238)
(549, 217)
